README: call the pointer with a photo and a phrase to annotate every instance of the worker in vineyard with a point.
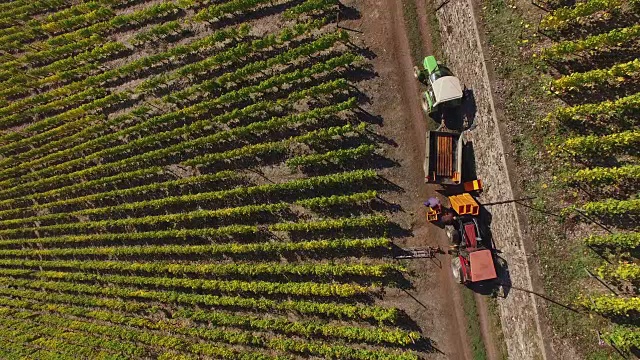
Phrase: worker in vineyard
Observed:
(432, 203)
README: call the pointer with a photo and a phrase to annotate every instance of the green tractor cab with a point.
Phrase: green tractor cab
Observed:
(444, 89)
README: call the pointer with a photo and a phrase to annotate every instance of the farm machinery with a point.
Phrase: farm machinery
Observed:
(443, 153)
(443, 88)
(443, 158)
(473, 259)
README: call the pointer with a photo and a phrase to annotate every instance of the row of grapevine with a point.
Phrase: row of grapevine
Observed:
(566, 16)
(331, 310)
(217, 270)
(612, 305)
(214, 199)
(83, 110)
(139, 160)
(213, 216)
(611, 208)
(307, 288)
(599, 176)
(613, 76)
(307, 329)
(625, 338)
(218, 234)
(158, 33)
(320, 203)
(69, 186)
(122, 180)
(217, 250)
(605, 112)
(310, 7)
(163, 188)
(217, 11)
(270, 148)
(593, 145)
(337, 157)
(622, 271)
(376, 222)
(138, 335)
(185, 130)
(219, 216)
(617, 240)
(614, 38)
(140, 326)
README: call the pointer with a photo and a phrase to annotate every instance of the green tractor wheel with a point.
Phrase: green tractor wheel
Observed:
(425, 104)
(416, 72)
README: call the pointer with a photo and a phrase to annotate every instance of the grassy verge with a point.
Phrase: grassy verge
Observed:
(434, 25)
(511, 35)
(474, 333)
(496, 329)
(410, 13)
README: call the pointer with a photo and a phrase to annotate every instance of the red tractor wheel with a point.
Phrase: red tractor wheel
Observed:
(456, 269)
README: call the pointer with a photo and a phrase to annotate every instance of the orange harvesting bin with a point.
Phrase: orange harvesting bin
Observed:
(464, 204)
(475, 185)
(432, 215)
(433, 212)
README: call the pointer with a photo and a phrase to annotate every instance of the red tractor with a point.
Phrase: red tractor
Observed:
(473, 260)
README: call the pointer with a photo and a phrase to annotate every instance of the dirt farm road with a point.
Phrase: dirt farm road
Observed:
(435, 302)
(518, 310)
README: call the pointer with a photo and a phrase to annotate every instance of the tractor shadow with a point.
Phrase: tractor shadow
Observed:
(468, 110)
(462, 117)
(501, 286)
(469, 172)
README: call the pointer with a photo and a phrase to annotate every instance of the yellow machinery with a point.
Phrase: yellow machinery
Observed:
(474, 185)
(432, 213)
(464, 204)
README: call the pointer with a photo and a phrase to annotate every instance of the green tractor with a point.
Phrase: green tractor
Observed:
(444, 89)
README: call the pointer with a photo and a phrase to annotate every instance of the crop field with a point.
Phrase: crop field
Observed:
(595, 142)
(192, 179)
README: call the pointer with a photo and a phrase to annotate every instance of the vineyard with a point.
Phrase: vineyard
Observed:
(198, 179)
(594, 142)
